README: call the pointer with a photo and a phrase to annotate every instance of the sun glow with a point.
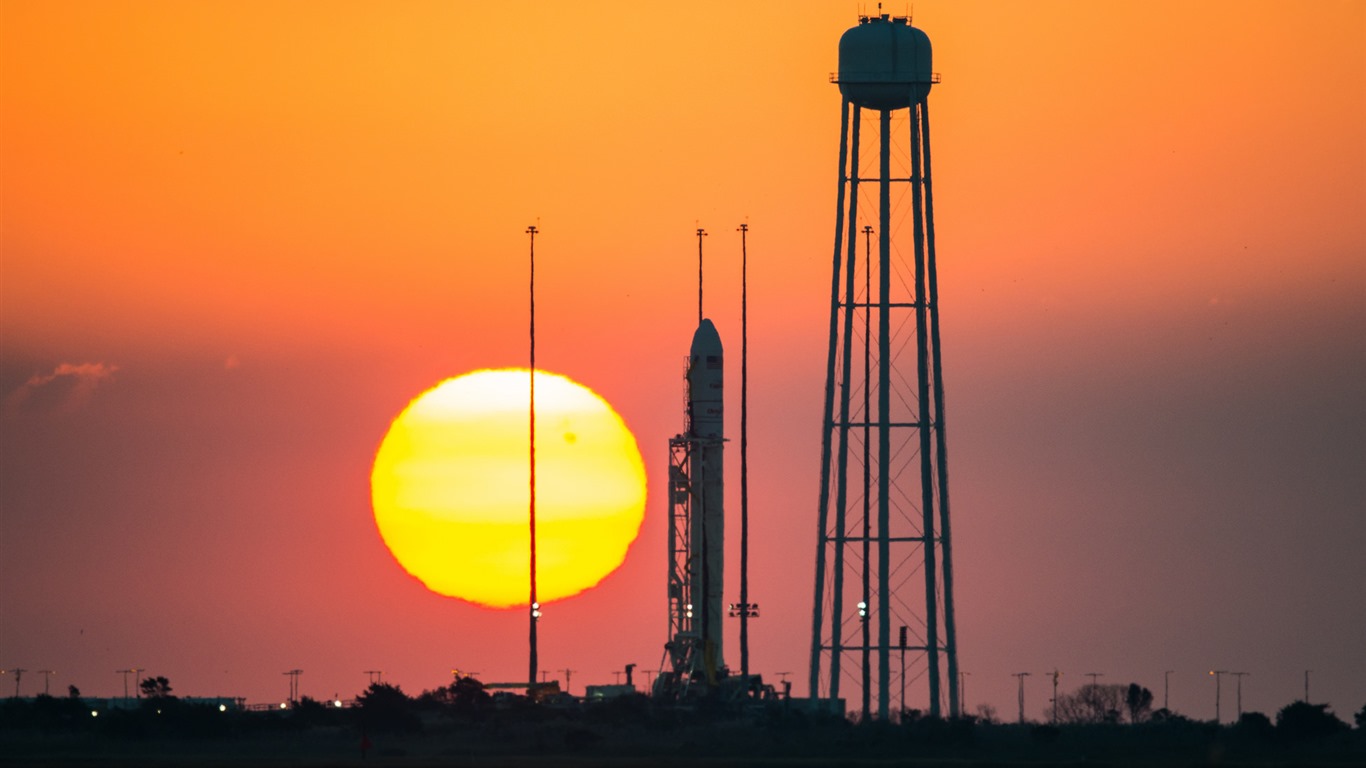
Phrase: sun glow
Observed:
(451, 493)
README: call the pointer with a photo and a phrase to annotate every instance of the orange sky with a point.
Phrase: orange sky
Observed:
(281, 222)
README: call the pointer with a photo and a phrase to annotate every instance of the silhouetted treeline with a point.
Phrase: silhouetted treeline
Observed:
(466, 720)
(1103, 704)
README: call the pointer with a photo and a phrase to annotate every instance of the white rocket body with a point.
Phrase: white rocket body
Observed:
(706, 428)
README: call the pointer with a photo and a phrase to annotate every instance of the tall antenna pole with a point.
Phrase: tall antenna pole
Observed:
(744, 454)
(701, 233)
(534, 607)
(868, 476)
(884, 437)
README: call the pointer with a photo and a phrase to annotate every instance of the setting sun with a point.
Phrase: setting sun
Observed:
(450, 488)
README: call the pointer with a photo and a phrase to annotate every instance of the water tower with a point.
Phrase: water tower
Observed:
(883, 617)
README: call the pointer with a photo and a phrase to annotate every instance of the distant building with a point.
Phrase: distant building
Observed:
(604, 692)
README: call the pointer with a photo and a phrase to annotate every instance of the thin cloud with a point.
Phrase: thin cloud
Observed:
(68, 387)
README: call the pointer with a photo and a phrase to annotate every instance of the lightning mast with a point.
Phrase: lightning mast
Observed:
(533, 607)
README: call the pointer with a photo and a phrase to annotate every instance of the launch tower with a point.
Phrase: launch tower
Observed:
(884, 573)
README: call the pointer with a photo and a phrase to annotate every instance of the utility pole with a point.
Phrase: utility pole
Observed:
(1056, 675)
(18, 675)
(125, 673)
(867, 687)
(1094, 675)
(376, 675)
(1218, 673)
(1021, 676)
(903, 647)
(1306, 685)
(137, 685)
(534, 610)
(1240, 676)
(568, 673)
(787, 687)
(47, 676)
(962, 692)
(293, 676)
(1166, 684)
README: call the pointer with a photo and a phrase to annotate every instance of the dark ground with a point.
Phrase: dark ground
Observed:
(474, 732)
(716, 745)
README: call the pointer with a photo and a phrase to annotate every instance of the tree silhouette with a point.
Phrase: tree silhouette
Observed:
(1255, 725)
(1139, 701)
(1167, 716)
(1302, 720)
(465, 698)
(1091, 703)
(308, 712)
(385, 707)
(156, 688)
(468, 697)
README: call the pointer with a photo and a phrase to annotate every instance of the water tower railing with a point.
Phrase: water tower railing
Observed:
(874, 79)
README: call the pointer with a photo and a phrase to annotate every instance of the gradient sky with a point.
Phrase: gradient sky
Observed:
(237, 238)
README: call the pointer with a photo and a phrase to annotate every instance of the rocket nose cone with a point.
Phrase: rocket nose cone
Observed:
(706, 341)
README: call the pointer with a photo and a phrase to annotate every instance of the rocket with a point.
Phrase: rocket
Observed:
(706, 432)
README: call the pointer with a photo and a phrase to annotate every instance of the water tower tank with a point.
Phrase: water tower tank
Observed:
(885, 63)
